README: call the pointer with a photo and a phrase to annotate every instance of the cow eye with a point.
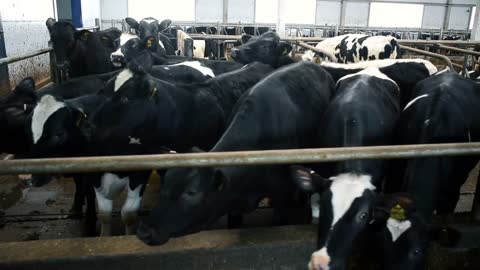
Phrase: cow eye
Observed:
(416, 252)
(363, 215)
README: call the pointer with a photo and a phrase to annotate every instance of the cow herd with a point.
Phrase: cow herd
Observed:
(128, 93)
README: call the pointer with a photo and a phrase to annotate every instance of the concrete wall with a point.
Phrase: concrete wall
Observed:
(25, 31)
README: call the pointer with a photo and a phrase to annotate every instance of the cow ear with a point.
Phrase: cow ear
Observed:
(164, 24)
(245, 38)
(284, 48)
(445, 236)
(307, 180)
(132, 22)
(83, 35)
(219, 180)
(49, 23)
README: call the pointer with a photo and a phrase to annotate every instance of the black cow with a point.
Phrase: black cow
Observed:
(148, 29)
(363, 112)
(405, 72)
(281, 111)
(266, 48)
(81, 52)
(145, 115)
(444, 109)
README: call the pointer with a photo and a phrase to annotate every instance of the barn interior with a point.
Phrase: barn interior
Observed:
(39, 230)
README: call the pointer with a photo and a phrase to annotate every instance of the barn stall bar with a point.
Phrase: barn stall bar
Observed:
(232, 249)
(284, 247)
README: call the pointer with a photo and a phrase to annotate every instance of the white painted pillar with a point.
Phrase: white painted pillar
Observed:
(282, 11)
(476, 22)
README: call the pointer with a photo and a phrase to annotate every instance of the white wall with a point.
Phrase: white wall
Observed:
(25, 31)
(433, 16)
(209, 11)
(459, 18)
(356, 14)
(241, 11)
(90, 11)
(328, 12)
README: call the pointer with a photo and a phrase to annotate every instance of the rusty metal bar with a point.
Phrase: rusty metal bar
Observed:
(318, 39)
(211, 159)
(431, 54)
(315, 49)
(458, 50)
(13, 59)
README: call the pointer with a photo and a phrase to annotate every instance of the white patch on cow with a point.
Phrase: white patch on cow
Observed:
(122, 77)
(134, 140)
(376, 45)
(161, 44)
(199, 49)
(371, 71)
(319, 260)
(415, 100)
(426, 122)
(330, 44)
(397, 227)
(206, 71)
(446, 69)
(308, 55)
(382, 63)
(123, 39)
(167, 68)
(47, 106)
(345, 189)
(149, 21)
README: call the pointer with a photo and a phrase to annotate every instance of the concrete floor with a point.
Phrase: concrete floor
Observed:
(28, 213)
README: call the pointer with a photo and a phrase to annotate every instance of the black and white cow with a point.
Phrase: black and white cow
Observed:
(149, 29)
(354, 48)
(363, 112)
(81, 52)
(281, 111)
(146, 115)
(443, 109)
(405, 72)
(266, 48)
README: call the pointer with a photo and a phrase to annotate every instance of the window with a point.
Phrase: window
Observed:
(177, 10)
(300, 11)
(395, 15)
(266, 11)
(472, 17)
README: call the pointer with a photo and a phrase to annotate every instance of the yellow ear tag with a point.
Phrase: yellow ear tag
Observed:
(398, 213)
(317, 60)
(149, 43)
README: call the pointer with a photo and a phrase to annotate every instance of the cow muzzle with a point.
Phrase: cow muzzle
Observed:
(151, 236)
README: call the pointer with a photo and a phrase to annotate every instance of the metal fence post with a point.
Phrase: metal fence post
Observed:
(4, 77)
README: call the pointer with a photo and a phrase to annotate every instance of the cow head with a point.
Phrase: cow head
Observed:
(148, 30)
(14, 109)
(266, 48)
(128, 46)
(64, 37)
(406, 234)
(190, 200)
(347, 207)
(54, 125)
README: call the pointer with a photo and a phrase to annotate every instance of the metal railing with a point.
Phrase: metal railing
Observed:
(240, 158)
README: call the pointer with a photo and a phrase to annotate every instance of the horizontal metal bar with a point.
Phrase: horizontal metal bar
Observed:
(211, 159)
(318, 39)
(315, 49)
(436, 55)
(16, 58)
(459, 50)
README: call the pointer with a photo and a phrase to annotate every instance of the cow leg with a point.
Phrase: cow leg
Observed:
(105, 206)
(130, 208)
(315, 205)
(90, 213)
(79, 198)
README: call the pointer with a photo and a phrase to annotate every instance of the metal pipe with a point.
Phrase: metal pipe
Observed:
(13, 59)
(211, 159)
(9, 157)
(439, 56)
(315, 49)
(458, 50)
